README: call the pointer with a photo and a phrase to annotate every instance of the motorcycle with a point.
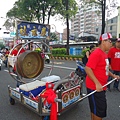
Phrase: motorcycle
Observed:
(47, 59)
(80, 70)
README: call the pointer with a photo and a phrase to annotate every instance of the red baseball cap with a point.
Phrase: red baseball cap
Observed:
(105, 36)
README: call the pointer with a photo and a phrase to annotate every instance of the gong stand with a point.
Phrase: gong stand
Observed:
(29, 64)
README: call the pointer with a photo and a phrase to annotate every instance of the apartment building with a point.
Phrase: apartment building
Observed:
(110, 26)
(87, 18)
(75, 24)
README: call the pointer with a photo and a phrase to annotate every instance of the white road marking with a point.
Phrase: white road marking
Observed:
(61, 67)
(10, 73)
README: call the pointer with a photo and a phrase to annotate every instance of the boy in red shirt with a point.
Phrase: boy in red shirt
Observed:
(97, 69)
(114, 58)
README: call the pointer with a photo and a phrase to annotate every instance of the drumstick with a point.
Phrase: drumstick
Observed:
(96, 90)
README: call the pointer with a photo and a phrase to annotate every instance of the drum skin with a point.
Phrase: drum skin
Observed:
(29, 64)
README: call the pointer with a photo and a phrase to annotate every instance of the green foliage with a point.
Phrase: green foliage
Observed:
(30, 10)
(72, 8)
(59, 51)
(84, 52)
(37, 50)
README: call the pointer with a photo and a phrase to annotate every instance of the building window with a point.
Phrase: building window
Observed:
(96, 29)
(110, 27)
(112, 21)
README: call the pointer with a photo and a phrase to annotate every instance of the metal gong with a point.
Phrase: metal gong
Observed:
(29, 64)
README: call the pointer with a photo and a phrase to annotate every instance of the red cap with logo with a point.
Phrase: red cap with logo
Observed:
(105, 36)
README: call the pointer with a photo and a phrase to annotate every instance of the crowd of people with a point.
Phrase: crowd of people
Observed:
(102, 65)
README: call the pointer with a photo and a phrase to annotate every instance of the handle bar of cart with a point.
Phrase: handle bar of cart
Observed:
(96, 90)
(89, 93)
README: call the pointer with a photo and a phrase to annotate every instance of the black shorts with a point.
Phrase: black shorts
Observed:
(97, 103)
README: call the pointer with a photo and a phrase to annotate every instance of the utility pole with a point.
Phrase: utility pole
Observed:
(103, 3)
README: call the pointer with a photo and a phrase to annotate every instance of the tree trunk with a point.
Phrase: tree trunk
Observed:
(67, 20)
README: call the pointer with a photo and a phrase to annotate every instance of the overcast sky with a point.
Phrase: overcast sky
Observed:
(6, 5)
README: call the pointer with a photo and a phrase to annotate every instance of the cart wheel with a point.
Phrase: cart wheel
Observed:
(12, 101)
(45, 118)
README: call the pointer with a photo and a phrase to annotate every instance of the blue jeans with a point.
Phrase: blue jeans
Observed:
(109, 78)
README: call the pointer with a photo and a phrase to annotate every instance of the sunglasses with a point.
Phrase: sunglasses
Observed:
(108, 41)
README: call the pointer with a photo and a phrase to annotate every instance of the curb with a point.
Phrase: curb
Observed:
(65, 58)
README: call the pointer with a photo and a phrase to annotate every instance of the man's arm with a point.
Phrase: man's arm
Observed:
(93, 78)
(114, 76)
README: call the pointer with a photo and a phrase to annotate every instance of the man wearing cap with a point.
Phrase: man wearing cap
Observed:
(97, 69)
(114, 59)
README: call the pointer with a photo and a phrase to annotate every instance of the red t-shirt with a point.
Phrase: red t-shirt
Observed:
(99, 64)
(114, 55)
(14, 52)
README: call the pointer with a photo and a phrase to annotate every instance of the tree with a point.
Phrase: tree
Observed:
(21, 11)
(67, 10)
(42, 10)
(34, 10)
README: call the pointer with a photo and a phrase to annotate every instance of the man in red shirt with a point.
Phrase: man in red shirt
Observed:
(97, 69)
(15, 51)
(114, 59)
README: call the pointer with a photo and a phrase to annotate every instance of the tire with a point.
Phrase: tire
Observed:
(12, 101)
(47, 61)
(0, 67)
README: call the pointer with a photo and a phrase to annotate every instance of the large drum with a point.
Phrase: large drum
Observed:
(29, 64)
